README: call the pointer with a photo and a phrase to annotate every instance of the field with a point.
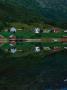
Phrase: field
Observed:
(26, 32)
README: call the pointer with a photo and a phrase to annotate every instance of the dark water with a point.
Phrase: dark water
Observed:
(34, 72)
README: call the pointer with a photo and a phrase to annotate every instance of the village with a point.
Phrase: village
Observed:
(15, 40)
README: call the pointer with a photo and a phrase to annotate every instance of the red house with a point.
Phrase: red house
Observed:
(55, 30)
(12, 40)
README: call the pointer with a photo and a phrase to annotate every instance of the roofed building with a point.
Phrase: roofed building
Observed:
(56, 30)
(37, 30)
(12, 29)
(12, 40)
(65, 31)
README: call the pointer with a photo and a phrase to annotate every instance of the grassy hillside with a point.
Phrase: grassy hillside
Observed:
(52, 12)
(20, 12)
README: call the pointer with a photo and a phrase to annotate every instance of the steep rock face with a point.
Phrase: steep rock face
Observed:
(56, 9)
(21, 10)
(31, 10)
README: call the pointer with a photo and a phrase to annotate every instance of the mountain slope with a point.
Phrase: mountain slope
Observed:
(22, 11)
(54, 11)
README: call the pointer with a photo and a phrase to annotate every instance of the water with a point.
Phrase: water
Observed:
(34, 71)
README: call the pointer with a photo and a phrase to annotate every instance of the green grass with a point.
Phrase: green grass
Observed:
(27, 32)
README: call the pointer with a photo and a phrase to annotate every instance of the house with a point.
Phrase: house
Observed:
(46, 31)
(65, 31)
(37, 49)
(12, 43)
(55, 40)
(55, 30)
(12, 29)
(37, 30)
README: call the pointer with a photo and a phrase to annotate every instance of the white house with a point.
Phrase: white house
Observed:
(37, 30)
(65, 31)
(55, 40)
(46, 48)
(65, 47)
(13, 50)
(37, 49)
(65, 80)
(46, 31)
(12, 29)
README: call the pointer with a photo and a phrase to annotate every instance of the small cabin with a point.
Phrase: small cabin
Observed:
(65, 31)
(37, 30)
(46, 31)
(13, 30)
(56, 30)
(55, 40)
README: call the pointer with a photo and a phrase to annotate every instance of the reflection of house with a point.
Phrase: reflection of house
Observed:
(56, 49)
(13, 29)
(13, 50)
(12, 40)
(64, 39)
(47, 48)
(12, 43)
(37, 49)
(55, 40)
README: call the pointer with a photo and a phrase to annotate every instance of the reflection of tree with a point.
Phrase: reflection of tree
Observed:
(4, 1)
(1, 52)
(33, 72)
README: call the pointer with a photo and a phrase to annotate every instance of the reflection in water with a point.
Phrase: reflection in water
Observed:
(34, 73)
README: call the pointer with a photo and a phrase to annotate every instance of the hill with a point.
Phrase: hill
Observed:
(52, 12)
(20, 12)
